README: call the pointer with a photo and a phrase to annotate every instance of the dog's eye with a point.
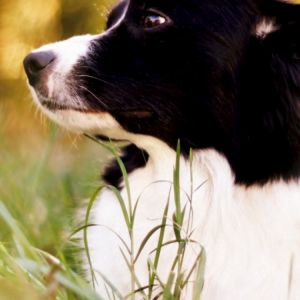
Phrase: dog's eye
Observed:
(154, 19)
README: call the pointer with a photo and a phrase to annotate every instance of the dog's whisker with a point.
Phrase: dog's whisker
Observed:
(156, 87)
(96, 78)
(91, 93)
(114, 86)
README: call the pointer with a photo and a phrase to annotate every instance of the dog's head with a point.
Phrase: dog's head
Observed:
(204, 72)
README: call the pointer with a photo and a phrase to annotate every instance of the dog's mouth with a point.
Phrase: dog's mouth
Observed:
(54, 106)
(57, 106)
(133, 114)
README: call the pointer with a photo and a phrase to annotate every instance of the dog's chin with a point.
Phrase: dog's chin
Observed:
(95, 123)
(79, 119)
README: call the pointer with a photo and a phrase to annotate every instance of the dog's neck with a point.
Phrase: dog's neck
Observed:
(159, 158)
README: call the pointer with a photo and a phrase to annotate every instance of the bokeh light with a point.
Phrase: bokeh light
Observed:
(25, 25)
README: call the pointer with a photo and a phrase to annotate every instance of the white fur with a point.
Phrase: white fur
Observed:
(67, 54)
(251, 235)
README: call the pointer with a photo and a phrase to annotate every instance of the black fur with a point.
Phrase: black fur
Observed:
(204, 78)
(132, 157)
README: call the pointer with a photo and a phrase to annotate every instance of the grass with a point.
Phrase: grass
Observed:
(40, 191)
(41, 187)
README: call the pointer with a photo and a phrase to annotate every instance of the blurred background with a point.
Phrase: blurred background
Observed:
(45, 172)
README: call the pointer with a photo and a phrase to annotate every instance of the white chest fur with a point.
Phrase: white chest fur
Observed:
(251, 236)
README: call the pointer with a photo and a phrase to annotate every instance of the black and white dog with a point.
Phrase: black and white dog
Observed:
(221, 76)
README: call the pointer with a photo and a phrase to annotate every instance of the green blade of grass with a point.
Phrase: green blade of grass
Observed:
(115, 291)
(159, 244)
(176, 183)
(199, 280)
(167, 292)
(85, 234)
(146, 239)
(24, 247)
(123, 207)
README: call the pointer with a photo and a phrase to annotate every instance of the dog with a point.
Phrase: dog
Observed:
(207, 93)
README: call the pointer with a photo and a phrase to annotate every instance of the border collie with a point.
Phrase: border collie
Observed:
(223, 78)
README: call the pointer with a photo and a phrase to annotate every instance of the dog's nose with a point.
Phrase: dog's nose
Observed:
(35, 63)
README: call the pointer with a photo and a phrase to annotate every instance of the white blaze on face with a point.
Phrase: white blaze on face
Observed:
(67, 54)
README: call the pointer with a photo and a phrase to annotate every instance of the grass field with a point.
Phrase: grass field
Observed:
(45, 173)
